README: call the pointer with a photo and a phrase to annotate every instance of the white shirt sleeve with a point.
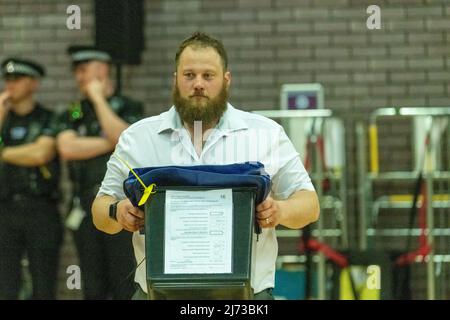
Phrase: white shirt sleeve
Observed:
(291, 176)
(116, 171)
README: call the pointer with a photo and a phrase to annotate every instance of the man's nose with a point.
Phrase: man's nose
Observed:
(199, 83)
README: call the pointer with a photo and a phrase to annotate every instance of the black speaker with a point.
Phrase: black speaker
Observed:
(120, 29)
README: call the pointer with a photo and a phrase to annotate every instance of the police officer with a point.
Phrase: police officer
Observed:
(90, 131)
(29, 219)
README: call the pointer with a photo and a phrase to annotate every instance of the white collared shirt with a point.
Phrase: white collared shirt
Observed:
(238, 137)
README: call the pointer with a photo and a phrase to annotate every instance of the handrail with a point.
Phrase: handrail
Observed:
(409, 111)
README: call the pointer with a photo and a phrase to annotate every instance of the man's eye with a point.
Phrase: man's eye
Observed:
(189, 75)
(208, 76)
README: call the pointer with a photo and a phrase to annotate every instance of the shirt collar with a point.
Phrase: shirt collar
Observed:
(171, 121)
(229, 122)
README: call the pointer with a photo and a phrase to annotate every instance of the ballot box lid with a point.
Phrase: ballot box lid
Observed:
(235, 284)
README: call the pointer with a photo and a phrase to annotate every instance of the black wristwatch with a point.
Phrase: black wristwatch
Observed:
(113, 210)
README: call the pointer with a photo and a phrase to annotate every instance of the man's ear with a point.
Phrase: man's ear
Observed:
(227, 77)
(35, 84)
(174, 78)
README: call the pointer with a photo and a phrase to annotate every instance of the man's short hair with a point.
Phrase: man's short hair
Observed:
(203, 40)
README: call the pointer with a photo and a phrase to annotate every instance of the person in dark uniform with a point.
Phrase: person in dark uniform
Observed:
(88, 134)
(29, 173)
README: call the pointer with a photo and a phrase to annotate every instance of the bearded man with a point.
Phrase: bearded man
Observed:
(203, 128)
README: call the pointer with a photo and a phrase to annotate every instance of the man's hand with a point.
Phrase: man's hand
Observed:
(298, 210)
(269, 213)
(129, 217)
(95, 90)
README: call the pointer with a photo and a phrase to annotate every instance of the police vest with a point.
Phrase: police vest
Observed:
(39, 181)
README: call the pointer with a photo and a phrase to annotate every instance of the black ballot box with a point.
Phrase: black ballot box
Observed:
(196, 227)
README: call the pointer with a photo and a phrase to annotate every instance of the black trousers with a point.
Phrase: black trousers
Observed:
(31, 226)
(105, 260)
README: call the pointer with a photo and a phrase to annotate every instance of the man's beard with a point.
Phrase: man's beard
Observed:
(204, 109)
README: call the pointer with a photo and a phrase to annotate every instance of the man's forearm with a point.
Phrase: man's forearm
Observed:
(31, 154)
(300, 209)
(100, 215)
(83, 148)
(112, 125)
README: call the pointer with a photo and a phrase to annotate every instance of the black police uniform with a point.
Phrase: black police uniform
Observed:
(106, 260)
(29, 218)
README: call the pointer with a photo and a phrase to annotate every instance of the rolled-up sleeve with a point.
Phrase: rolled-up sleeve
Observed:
(291, 175)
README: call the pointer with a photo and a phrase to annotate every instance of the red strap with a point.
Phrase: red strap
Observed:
(321, 149)
(308, 156)
(325, 181)
(424, 249)
(423, 218)
(333, 255)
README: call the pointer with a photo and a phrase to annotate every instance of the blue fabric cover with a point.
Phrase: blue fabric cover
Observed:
(249, 174)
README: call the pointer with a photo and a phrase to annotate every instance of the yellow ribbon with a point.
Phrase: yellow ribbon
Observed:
(147, 190)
